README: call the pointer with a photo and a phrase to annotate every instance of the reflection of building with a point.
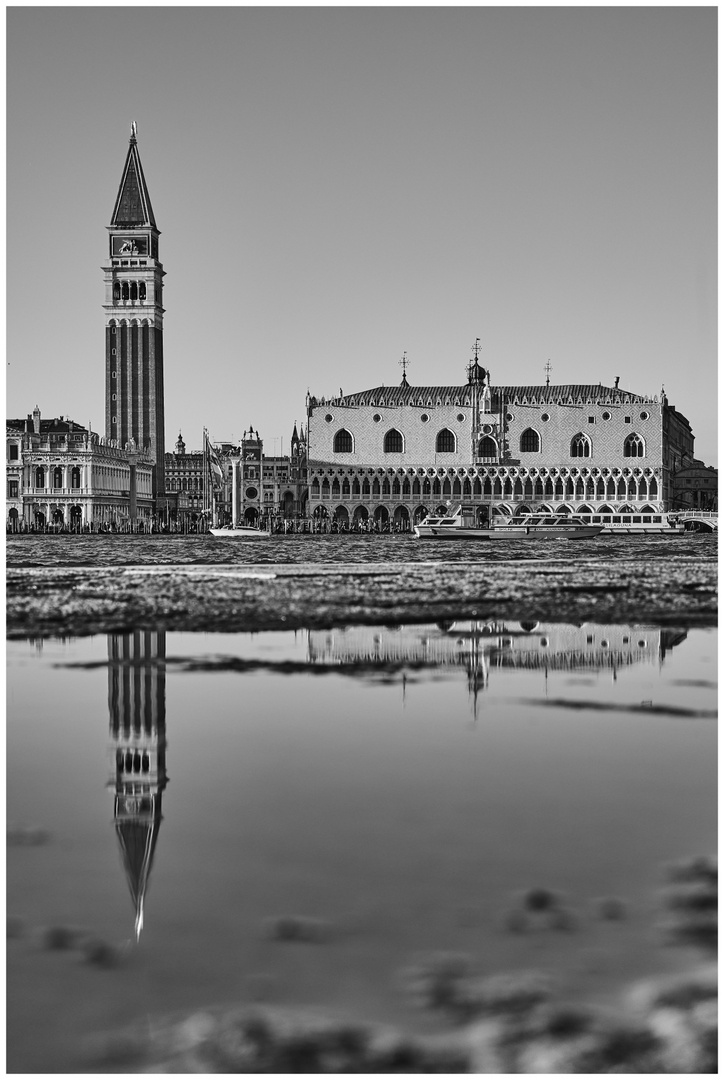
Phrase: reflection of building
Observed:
(64, 475)
(137, 708)
(481, 646)
(393, 453)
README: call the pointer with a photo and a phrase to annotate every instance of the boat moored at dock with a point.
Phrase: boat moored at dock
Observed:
(461, 524)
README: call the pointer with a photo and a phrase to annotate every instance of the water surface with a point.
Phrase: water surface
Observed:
(401, 785)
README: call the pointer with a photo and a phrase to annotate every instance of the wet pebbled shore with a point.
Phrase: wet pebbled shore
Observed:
(673, 589)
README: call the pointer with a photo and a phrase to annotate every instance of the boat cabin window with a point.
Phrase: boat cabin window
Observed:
(616, 519)
(636, 519)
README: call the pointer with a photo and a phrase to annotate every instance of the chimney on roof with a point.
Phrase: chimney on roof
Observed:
(36, 420)
(615, 385)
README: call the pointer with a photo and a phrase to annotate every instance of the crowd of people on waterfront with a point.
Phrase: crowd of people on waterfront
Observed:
(185, 526)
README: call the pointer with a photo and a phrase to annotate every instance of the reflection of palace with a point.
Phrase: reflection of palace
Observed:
(479, 646)
(137, 709)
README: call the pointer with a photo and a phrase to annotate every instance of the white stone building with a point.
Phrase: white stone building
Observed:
(63, 475)
(391, 454)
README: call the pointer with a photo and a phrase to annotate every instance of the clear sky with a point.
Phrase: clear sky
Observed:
(335, 186)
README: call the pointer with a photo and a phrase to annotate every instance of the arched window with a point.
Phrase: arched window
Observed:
(134, 291)
(392, 442)
(325, 488)
(580, 446)
(365, 488)
(345, 488)
(385, 487)
(75, 477)
(315, 487)
(142, 291)
(57, 477)
(487, 448)
(116, 290)
(445, 442)
(355, 487)
(335, 488)
(633, 446)
(343, 442)
(530, 442)
(40, 478)
(124, 290)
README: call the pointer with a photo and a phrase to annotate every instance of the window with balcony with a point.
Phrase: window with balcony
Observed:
(530, 442)
(580, 446)
(392, 442)
(487, 448)
(445, 442)
(342, 442)
(633, 446)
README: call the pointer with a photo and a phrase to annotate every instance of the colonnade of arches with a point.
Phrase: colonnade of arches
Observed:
(559, 485)
(55, 477)
(129, 290)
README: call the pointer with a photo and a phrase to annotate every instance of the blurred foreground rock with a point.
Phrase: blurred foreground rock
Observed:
(670, 1027)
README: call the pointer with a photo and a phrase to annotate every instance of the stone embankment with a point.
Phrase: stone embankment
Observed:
(81, 600)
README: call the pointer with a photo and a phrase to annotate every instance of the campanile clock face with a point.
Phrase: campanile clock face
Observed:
(129, 245)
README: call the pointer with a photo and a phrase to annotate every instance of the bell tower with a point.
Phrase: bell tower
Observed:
(134, 320)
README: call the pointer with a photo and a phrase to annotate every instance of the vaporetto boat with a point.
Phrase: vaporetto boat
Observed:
(460, 524)
(240, 532)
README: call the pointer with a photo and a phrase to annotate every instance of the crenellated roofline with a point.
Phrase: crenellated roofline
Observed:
(430, 396)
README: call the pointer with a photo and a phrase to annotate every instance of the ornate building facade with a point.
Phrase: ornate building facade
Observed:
(187, 485)
(390, 455)
(62, 475)
(696, 486)
(134, 320)
(259, 487)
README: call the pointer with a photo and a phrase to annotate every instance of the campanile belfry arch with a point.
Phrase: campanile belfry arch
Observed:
(134, 320)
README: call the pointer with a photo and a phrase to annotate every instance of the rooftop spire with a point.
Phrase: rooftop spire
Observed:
(133, 204)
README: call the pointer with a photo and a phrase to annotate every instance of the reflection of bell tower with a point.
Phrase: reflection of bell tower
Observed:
(137, 709)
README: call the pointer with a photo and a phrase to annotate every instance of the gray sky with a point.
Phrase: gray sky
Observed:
(337, 185)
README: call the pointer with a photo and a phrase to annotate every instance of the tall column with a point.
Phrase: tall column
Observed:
(234, 492)
(132, 492)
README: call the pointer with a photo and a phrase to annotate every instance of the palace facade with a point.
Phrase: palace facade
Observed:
(63, 475)
(392, 454)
